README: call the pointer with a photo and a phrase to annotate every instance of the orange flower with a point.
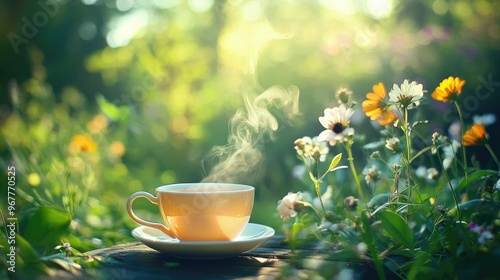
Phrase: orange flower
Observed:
(82, 143)
(117, 149)
(448, 89)
(474, 136)
(376, 106)
(97, 124)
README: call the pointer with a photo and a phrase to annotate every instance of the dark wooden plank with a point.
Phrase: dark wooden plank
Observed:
(137, 261)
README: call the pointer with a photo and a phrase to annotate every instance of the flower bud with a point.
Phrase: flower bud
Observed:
(343, 95)
(394, 145)
(351, 203)
(332, 217)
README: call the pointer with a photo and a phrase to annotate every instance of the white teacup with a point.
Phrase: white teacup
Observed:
(199, 211)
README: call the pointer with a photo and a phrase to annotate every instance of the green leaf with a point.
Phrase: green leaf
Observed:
(420, 153)
(379, 199)
(26, 251)
(419, 123)
(28, 260)
(113, 112)
(420, 267)
(397, 227)
(171, 264)
(367, 235)
(334, 162)
(345, 255)
(47, 225)
(374, 145)
(475, 176)
(294, 241)
(474, 205)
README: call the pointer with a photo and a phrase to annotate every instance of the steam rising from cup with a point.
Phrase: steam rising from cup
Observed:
(240, 160)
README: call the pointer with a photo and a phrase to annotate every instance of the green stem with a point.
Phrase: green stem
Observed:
(315, 210)
(492, 154)
(464, 155)
(318, 193)
(316, 182)
(408, 152)
(451, 187)
(350, 158)
(317, 170)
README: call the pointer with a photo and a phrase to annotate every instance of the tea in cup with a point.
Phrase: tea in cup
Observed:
(199, 211)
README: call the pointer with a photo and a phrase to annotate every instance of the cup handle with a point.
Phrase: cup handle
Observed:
(153, 199)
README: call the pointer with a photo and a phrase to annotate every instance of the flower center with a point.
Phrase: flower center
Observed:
(337, 128)
(405, 100)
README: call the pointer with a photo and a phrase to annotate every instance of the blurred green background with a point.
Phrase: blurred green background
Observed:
(155, 85)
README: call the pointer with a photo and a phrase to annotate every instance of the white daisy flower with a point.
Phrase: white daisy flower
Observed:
(311, 148)
(485, 120)
(372, 175)
(362, 247)
(449, 153)
(336, 121)
(485, 236)
(421, 172)
(455, 130)
(408, 95)
(432, 173)
(288, 205)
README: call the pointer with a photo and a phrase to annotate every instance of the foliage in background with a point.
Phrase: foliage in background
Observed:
(438, 217)
(107, 98)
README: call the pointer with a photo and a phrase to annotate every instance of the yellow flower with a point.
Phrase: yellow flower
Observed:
(82, 143)
(448, 89)
(34, 179)
(474, 136)
(376, 106)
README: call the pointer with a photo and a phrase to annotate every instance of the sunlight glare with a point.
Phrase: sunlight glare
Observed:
(124, 28)
(200, 6)
(252, 10)
(87, 30)
(346, 7)
(89, 2)
(165, 4)
(379, 9)
(124, 5)
(440, 7)
(244, 44)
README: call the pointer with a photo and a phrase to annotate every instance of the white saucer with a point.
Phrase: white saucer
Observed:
(253, 236)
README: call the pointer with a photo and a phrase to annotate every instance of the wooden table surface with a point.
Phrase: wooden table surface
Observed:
(137, 261)
(272, 260)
